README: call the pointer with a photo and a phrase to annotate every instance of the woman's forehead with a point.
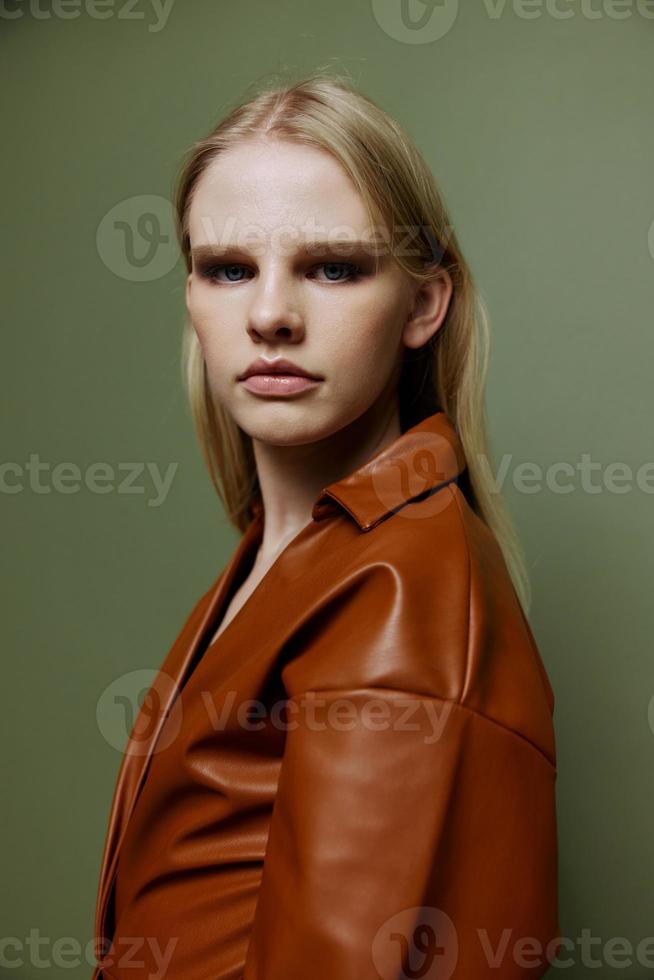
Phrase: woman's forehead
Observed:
(290, 185)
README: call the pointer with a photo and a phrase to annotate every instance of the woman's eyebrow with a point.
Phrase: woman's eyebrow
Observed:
(205, 253)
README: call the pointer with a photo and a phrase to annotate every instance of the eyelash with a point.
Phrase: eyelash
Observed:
(209, 272)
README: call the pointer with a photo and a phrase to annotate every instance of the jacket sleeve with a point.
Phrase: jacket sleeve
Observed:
(410, 837)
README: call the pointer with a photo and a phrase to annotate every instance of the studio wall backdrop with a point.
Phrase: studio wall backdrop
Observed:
(536, 118)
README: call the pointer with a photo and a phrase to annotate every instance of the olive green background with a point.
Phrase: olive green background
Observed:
(539, 129)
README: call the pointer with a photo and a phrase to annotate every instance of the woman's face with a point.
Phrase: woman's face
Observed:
(260, 287)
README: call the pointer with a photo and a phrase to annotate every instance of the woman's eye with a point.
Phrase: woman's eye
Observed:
(231, 269)
(336, 267)
(334, 271)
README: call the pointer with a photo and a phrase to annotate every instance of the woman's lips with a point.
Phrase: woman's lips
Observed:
(278, 384)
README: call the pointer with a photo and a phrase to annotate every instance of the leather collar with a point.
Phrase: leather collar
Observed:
(418, 463)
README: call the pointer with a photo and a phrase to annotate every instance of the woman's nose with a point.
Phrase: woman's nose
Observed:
(274, 306)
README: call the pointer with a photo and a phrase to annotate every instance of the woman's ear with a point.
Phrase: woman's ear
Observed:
(429, 307)
(188, 291)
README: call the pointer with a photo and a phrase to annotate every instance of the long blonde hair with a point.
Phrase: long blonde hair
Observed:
(324, 110)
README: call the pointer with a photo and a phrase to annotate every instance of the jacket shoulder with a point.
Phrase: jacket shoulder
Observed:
(424, 603)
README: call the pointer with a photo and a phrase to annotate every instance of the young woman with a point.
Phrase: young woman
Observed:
(346, 766)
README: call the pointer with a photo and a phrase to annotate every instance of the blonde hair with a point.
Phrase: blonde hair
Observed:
(325, 111)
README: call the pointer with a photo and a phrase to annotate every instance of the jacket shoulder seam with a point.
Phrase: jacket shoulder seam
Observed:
(434, 697)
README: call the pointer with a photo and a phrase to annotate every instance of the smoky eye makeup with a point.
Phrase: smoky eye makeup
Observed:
(345, 272)
(353, 267)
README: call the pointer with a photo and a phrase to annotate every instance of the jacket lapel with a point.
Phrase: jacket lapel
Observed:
(154, 710)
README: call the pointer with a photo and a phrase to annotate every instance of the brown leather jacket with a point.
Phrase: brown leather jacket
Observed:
(356, 780)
